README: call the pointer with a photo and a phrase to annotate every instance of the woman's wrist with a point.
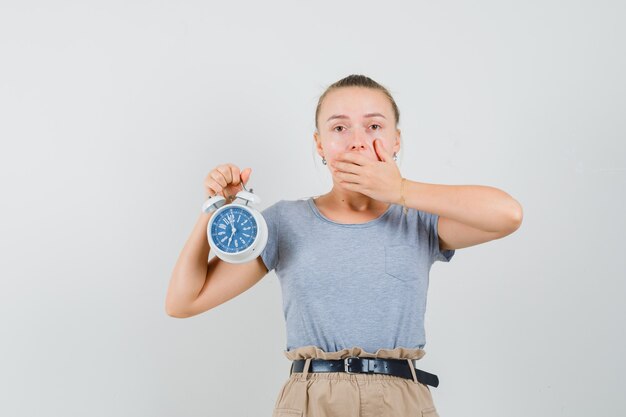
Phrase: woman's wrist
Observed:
(401, 200)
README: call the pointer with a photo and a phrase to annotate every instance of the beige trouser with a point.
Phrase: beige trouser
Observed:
(340, 394)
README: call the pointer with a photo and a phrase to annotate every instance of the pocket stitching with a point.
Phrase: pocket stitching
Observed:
(409, 250)
(430, 412)
(278, 412)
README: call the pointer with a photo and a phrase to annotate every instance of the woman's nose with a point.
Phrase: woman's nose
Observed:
(359, 140)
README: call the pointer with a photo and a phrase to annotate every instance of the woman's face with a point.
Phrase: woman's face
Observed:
(349, 120)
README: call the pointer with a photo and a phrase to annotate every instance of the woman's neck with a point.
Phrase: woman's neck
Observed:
(343, 200)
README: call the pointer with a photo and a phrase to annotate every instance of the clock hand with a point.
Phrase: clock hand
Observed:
(231, 236)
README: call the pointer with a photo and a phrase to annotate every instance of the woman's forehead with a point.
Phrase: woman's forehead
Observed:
(359, 101)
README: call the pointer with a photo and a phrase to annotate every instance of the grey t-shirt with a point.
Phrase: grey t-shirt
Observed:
(347, 285)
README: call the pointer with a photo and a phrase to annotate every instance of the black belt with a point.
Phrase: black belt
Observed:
(357, 365)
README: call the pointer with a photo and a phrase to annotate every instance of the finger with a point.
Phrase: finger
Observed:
(352, 157)
(347, 177)
(346, 167)
(350, 186)
(235, 174)
(225, 171)
(245, 175)
(213, 188)
(381, 152)
(206, 183)
(219, 178)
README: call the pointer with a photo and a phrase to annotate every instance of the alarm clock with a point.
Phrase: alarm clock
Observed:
(236, 232)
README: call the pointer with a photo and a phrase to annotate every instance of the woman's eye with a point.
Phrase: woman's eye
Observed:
(337, 127)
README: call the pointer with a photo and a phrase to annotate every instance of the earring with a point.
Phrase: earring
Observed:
(395, 157)
(324, 160)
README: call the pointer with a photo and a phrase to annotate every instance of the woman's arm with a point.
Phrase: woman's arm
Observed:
(197, 286)
(468, 214)
(190, 272)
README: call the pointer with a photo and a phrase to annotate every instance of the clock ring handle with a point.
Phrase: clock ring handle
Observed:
(234, 197)
(244, 187)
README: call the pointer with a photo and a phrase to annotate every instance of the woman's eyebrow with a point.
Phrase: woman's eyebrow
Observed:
(343, 116)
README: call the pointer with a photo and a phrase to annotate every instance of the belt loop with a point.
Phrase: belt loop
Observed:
(411, 365)
(305, 371)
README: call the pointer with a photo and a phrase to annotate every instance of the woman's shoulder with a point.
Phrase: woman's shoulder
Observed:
(294, 201)
(286, 204)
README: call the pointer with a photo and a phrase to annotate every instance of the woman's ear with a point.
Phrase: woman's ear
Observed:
(396, 146)
(318, 144)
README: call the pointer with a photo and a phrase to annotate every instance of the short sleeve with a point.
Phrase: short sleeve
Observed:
(431, 224)
(269, 255)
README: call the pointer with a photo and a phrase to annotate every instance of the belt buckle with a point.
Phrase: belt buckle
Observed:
(346, 365)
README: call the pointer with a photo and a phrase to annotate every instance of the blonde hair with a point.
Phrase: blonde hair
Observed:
(357, 80)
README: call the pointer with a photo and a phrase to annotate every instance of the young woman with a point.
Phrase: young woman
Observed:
(353, 263)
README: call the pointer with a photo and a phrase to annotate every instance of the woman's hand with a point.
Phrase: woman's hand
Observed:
(380, 180)
(226, 180)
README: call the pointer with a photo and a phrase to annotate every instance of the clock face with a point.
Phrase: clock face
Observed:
(234, 229)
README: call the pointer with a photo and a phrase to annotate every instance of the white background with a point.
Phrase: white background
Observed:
(112, 113)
